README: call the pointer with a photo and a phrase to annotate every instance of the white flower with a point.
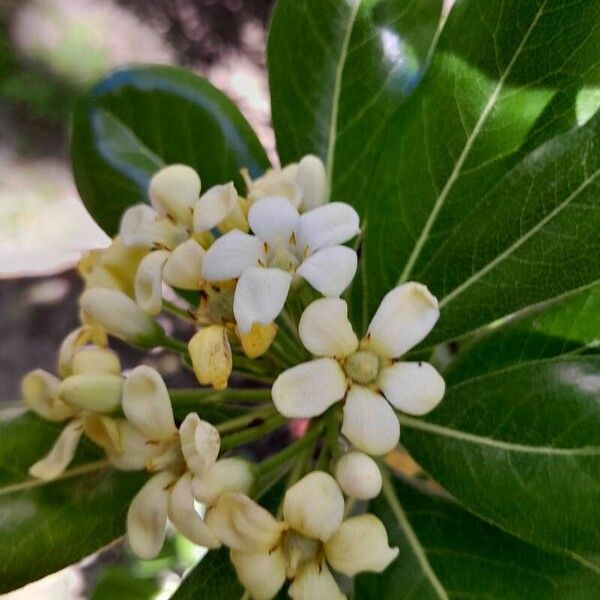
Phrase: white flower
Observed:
(193, 449)
(265, 552)
(365, 373)
(285, 245)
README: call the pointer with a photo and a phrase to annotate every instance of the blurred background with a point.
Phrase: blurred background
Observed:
(51, 51)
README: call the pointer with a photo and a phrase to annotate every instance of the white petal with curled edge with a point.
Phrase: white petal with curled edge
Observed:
(314, 506)
(370, 423)
(405, 316)
(61, 453)
(147, 405)
(141, 226)
(200, 443)
(183, 268)
(148, 282)
(147, 515)
(39, 390)
(328, 225)
(214, 206)
(226, 475)
(329, 270)
(261, 573)
(273, 220)
(358, 475)
(174, 191)
(312, 181)
(231, 255)
(325, 329)
(184, 517)
(315, 582)
(309, 389)
(260, 296)
(242, 524)
(360, 544)
(415, 388)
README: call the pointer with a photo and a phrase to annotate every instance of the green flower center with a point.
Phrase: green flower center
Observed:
(362, 366)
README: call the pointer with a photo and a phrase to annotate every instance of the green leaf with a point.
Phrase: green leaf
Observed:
(47, 526)
(139, 119)
(570, 325)
(446, 553)
(521, 448)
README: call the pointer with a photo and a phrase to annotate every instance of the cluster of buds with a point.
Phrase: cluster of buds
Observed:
(264, 274)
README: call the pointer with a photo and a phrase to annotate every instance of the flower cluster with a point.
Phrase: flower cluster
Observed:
(258, 279)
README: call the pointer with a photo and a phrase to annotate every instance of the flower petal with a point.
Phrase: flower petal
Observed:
(214, 206)
(148, 282)
(174, 190)
(61, 453)
(260, 296)
(147, 405)
(231, 255)
(226, 475)
(360, 544)
(39, 390)
(325, 329)
(210, 353)
(415, 388)
(261, 573)
(184, 517)
(405, 316)
(358, 475)
(370, 423)
(312, 181)
(147, 516)
(315, 582)
(183, 268)
(91, 359)
(309, 389)
(329, 270)
(273, 220)
(95, 392)
(242, 524)
(258, 340)
(314, 506)
(200, 443)
(328, 225)
(141, 226)
(74, 341)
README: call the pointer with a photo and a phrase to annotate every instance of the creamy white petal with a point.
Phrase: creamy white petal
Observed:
(147, 515)
(329, 270)
(231, 255)
(260, 296)
(148, 282)
(174, 191)
(275, 182)
(325, 329)
(61, 453)
(309, 389)
(328, 225)
(370, 423)
(183, 268)
(312, 181)
(415, 388)
(360, 544)
(184, 516)
(147, 405)
(74, 342)
(314, 506)
(315, 582)
(273, 220)
(261, 573)
(141, 226)
(358, 475)
(226, 475)
(242, 524)
(200, 443)
(39, 390)
(92, 359)
(405, 316)
(95, 392)
(214, 206)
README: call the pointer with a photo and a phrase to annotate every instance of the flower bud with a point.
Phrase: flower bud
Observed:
(95, 392)
(312, 181)
(76, 340)
(358, 475)
(39, 390)
(257, 341)
(91, 359)
(120, 316)
(211, 356)
(174, 191)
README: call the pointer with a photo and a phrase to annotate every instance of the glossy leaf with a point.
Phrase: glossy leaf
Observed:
(521, 448)
(47, 526)
(448, 554)
(139, 119)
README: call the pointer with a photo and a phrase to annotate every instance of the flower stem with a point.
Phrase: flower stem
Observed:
(243, 420)
(210, 396)
(177, 311)
(173, 344)
(249, 435)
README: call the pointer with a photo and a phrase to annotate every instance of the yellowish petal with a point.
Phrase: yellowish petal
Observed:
(261, 573)
(257, 341)
(211, 356)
